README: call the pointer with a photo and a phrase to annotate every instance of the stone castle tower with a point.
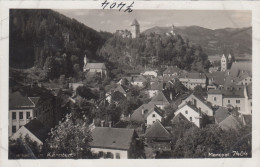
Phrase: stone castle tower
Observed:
(135, 29)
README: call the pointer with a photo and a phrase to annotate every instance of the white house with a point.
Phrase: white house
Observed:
(239, 97)
(191, 113)
(20, 111)
(148, 114)
(199, 103)
(95, 68)
(35, 130)
(114, 143)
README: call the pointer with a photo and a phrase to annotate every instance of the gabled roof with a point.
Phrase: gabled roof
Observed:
(135, 22)
(179, 117)
(221, 114)
(148, 108)
(190, 106)
(95, 66)
(121, 88)
(34, 99)
(230, 123)
(238, 67)
(198, 98)
(112, 138)
(17, 100)
(157, 131)
(159, 99)
(171, 70)
(37, 129)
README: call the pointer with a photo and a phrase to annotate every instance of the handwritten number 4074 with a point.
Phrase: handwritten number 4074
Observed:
(118, 6)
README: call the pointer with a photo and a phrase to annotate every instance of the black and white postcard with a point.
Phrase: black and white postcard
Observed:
(91, 81)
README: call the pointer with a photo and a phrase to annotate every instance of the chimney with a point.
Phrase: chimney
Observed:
(110, 124)
(102, 123)
(142, 110)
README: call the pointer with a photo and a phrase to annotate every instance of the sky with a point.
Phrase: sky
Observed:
(112, 20)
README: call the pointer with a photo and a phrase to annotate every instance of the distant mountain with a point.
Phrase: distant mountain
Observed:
(235, 40)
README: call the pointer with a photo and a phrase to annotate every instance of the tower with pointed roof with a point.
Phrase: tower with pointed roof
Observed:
(135, 29)
(224, 62)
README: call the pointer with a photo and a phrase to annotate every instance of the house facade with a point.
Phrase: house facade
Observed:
(232, 97)
(114, 143)
(95, 68)
(20, 111)
(191, 80)
(199, 103)
(191, 113)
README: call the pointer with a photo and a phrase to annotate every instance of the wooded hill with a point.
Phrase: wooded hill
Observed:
(235, 40)
(154, 51)
(38, 34)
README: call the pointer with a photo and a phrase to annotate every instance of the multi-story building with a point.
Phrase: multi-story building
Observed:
(239, 97)
(20, 111)
(191, 80)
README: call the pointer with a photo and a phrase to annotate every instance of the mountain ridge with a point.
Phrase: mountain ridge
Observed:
(214, 41)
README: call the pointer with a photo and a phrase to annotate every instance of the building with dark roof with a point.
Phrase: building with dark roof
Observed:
(238, 97)
(114, 143)
(160, 100)
(191, 80)
(199, 103)
(20, 110)
(220, 114)
(147, 114)
(172, 71)
(35, 130)
(158, 137)
(191, 113)
(95, 68)
(231, 122)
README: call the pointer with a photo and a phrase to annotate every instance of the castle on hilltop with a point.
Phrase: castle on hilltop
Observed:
(135, 29)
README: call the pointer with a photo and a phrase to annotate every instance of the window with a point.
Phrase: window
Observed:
(117, 155)
(191, 119)
(229, 101)
(13, 129)
(237, 101)
(238, 108)
(27, 115)
(186, 112)
(153, 115)
(215, 98)
(13, 115)
(20, 115)
(153, 121)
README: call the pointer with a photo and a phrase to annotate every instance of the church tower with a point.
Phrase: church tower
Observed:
(85, 63)
(224, 63)
(135, 29)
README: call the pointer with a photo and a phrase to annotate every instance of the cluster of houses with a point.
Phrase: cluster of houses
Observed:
(228, 103)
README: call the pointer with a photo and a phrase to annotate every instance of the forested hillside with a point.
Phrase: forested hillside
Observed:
(153, 51)
(235, 40)
(36, 35)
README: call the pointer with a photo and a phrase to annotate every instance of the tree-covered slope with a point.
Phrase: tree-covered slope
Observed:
(235, 40)
(153, 51)
(38, 34)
